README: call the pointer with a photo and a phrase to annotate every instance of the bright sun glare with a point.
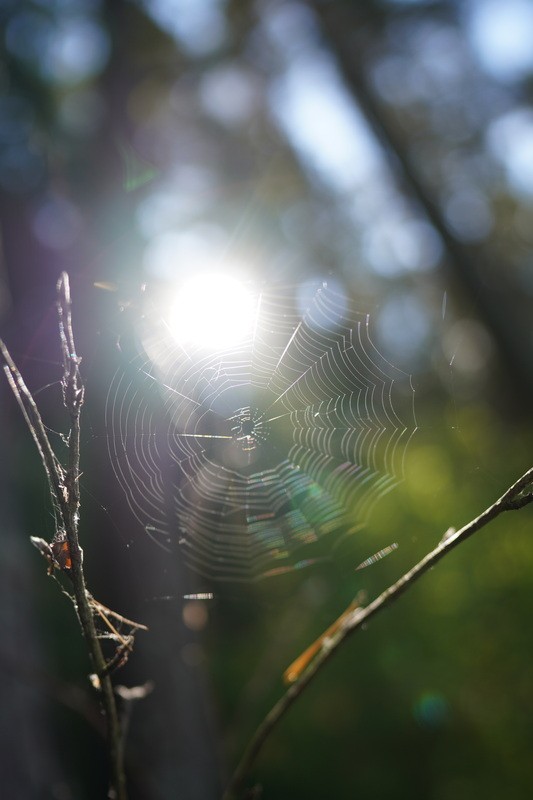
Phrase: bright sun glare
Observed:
(212, 310)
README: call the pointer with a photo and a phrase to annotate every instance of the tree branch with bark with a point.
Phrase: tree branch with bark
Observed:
(517, 496)
(64, 552)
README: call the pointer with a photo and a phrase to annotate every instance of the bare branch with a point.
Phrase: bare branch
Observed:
(517, 496)
(65, 550)
(73, 399)
(53, 469)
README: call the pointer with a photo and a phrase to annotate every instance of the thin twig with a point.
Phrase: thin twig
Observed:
(54, 470)
(73, 401)
(517, 496)
(65, 495)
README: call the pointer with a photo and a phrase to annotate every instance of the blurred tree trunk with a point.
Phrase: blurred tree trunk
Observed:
(179, 756)
(351, 34)
(179, 749)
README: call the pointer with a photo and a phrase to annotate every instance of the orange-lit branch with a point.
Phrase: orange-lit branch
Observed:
(293, 672)
(517, 496)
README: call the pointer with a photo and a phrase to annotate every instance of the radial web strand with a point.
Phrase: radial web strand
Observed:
(246, 456)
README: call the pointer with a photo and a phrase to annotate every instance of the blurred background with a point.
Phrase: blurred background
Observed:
(385, 147)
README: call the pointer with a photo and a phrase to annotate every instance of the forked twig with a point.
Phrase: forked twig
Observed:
(517, 496)
(65, 551)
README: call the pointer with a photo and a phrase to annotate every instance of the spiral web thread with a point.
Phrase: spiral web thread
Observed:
(249, 455)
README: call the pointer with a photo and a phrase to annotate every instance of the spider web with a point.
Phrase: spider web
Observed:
(249, 455)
